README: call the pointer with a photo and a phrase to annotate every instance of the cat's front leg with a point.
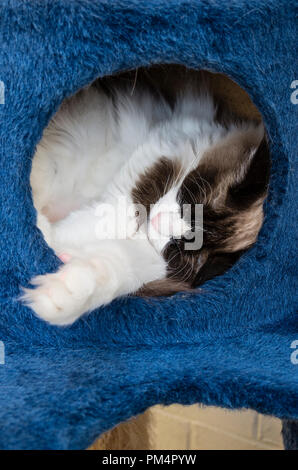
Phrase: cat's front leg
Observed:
(60, 298)
(93, 278)
(91, 224)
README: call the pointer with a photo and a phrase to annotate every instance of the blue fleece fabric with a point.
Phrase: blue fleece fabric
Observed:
(229, 345)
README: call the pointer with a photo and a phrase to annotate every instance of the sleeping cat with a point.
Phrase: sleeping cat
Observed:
(111, 177)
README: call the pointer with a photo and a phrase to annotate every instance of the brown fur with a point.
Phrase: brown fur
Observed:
(155, 182)
(163, 287)
(231, 182)
(232, 193)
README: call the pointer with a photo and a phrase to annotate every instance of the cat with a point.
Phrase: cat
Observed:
(154, 156)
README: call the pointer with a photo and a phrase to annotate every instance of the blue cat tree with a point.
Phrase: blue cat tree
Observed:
(232, 346)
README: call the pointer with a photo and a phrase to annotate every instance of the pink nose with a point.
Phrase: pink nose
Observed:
(155, 221)
(163, 223)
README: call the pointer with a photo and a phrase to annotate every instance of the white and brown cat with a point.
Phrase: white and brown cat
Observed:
(109, 149)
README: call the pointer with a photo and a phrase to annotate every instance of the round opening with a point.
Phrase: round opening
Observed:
(131, 135)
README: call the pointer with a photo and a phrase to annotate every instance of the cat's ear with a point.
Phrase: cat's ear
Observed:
(253, 183)
(237, 168)
(233, 213)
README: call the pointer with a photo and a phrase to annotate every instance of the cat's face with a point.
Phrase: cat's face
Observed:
(166, 221)
(229, 183)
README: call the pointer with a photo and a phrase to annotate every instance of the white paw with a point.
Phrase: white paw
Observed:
(61, 298)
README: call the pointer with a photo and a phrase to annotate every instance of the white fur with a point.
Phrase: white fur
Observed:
(91, 156)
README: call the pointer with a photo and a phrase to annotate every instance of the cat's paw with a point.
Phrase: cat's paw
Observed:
(61, 298)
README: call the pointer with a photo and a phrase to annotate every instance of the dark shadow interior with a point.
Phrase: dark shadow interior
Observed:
(169, 78)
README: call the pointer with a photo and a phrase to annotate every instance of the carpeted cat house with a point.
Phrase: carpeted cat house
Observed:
(234, 344)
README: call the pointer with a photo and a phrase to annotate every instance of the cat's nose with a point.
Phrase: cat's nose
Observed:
(162, 222)
(155, 221)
